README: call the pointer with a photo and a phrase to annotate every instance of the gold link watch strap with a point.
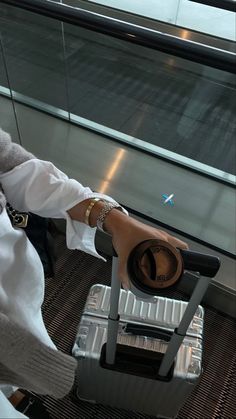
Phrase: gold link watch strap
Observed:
(105, 211)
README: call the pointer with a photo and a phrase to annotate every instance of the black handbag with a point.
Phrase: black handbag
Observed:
(36, 229)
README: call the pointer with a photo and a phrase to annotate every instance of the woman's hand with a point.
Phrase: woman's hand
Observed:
(127, 233)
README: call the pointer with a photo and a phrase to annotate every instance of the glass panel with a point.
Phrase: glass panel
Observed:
(202, 18)
(33, 47)
(171, 103)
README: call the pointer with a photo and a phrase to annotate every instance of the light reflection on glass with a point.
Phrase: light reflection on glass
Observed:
(112, 170)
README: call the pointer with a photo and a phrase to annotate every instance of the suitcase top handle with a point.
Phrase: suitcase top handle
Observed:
(154, 265)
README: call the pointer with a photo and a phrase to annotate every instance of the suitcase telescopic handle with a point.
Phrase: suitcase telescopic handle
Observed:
(206, 265)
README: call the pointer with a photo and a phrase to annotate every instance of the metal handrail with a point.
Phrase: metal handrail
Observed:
(229, 5)
(136, 34)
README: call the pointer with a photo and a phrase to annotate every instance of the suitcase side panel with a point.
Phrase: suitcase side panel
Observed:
(92, 334)
(129, 391)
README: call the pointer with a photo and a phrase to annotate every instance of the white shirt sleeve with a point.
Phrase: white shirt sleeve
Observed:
(37, 186)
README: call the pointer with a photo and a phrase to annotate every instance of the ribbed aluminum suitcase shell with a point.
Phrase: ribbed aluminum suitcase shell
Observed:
(164, 313)
(132, 392)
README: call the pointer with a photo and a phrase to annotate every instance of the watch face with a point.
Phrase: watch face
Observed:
(155, 264)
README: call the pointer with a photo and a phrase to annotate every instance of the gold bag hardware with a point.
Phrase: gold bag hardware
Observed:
(18, 219)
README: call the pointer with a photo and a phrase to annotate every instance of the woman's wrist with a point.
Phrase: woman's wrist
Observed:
(78, 212)
(114, 221)
(112, 218)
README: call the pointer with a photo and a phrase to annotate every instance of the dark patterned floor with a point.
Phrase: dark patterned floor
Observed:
(175, 104)
(76, 272)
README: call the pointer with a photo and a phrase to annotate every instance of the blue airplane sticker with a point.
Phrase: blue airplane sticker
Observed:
(168, 199)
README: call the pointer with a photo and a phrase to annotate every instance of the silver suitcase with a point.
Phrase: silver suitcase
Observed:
(124, 362)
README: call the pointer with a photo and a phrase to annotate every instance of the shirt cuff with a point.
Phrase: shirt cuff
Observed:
(79, 235)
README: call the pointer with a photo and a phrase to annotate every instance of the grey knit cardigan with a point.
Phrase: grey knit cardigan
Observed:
(24, 360)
